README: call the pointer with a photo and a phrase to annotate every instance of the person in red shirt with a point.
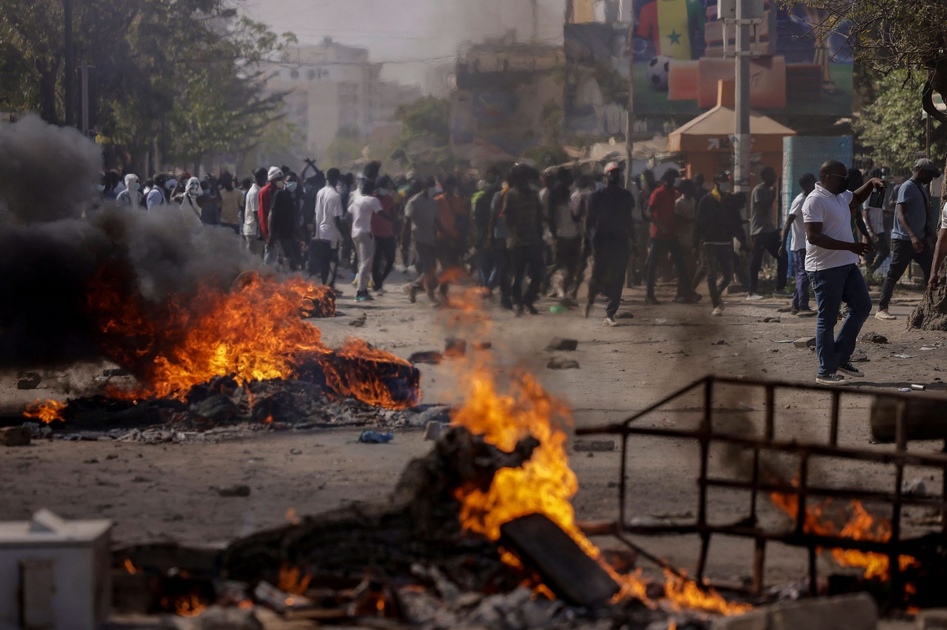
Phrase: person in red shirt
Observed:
(664, 239)
(274, 181)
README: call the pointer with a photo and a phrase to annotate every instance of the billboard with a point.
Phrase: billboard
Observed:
(679, 57)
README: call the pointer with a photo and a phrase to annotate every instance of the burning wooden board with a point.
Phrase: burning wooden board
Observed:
(567, 570)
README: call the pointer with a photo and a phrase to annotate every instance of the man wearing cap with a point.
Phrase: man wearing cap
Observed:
(274, 180)
(910, 238)
(610, 229)
(832, 265)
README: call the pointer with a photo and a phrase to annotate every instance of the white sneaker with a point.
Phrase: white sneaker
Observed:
(752, 297)
(717, 312)
(830, 379)
(885, 315)
(609, 322)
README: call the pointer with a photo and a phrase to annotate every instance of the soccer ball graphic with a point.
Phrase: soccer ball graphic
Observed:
(657, 72)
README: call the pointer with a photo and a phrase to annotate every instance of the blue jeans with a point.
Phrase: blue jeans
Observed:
(800, 299)
(832, 287)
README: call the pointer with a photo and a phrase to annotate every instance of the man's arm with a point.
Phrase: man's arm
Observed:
(786, 228)
(815, 237)
(940, 252)
(863, 227)
(871, 233)
(916, 242)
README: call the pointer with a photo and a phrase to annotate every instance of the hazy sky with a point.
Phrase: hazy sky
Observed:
(409, 35)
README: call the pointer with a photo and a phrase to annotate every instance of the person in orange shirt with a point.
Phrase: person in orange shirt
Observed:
(453, 232)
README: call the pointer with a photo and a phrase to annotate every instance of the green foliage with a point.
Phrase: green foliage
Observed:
(891, 122)
(886, 34)
(424, 144)
(181, 74)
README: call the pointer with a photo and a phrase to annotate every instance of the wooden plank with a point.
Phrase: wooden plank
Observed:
(568, 572)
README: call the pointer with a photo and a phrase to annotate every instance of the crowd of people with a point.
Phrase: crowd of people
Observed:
(521, 234)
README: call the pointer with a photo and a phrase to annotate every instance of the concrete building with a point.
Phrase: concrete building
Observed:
(331, 87)
(507, 98)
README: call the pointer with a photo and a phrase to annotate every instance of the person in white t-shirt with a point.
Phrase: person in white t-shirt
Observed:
(327, 230)
(940, 252)
(362, 209)
(832, 265)
(795, 229)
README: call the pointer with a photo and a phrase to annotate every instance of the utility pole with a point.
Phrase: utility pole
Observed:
(630, 115)
(741, 139)
(69, 80)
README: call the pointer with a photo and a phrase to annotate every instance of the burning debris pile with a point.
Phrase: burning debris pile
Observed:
(411, 561)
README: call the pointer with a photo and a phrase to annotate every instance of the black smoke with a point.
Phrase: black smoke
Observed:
(56, 239)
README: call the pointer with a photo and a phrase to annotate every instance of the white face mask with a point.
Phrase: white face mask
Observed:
(100, 187)
(677, 182)
(383, 192)
(724, 187)
(432, 192)
(291, 186)
(193, 191)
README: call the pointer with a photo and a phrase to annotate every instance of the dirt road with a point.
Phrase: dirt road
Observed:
(170, 491)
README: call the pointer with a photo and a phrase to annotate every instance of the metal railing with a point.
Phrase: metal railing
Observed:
(802, 486)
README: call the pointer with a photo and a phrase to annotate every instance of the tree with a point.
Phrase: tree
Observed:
(892, 34)
(424, 144)
(172, 77)
(889, 125)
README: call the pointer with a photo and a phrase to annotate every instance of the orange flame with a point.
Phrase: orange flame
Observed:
(46, 411)
(185, 605)
(545, 484)
(130, 566)
(253, 332)
(860, 525)
(293, 580)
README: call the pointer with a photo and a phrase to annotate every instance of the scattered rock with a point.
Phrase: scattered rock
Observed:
(871, 337)
(116, 372)
(482, 345)
(454, 347)
(567, 345)
(433, 430)
(359, 321)
(771, 320)
(295, 451)
(625, 315)
(15, 436)
(239, 490)
(429, 357)
(859, 356)
(722, 342)
(804, 342)
(561, 363)
(28, 380)
(593, 445)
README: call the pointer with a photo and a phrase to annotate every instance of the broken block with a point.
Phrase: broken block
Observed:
(933, 619)
(14, 436)
(558, 343)
(804, 342)
(29, 380)
(568, 572)
(559, 363)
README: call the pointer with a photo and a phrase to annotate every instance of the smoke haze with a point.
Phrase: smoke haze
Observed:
(49, 256)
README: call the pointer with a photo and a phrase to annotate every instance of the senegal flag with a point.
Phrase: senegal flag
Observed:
(669, 24)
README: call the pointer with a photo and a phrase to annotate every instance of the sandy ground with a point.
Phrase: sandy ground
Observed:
(169, 491)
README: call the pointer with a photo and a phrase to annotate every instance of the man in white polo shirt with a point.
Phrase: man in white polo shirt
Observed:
(832, 265)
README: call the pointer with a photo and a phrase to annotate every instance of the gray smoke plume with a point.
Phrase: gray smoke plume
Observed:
(48, 172)
(49, 256)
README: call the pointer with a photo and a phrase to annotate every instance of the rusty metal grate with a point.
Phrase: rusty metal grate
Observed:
(803, 486)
